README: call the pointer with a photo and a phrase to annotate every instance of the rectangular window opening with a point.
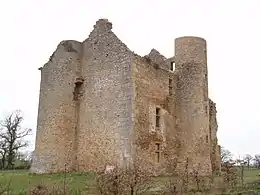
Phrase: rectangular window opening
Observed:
(207, 139)
(157, 111)
(157, 146)
(172, 66)
(77, 90)
(157, 122)
(158, 152)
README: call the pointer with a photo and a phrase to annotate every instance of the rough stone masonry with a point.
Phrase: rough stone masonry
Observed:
(102, 105)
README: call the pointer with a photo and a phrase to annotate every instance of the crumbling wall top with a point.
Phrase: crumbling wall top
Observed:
(171, 59)
(103, 24)
(157, 55)
(212, 106)
(157, 58)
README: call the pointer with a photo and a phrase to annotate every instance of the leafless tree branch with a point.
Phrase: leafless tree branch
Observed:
(12, 137)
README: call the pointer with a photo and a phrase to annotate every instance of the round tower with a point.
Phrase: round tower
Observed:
(192, 102)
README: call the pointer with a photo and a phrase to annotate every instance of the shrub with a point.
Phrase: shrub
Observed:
(41, 189)
(123, 181)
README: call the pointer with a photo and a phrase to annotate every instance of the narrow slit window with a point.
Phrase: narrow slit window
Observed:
(157, 122)
(172, 66)
(170, 87)
(207, 139)
(77, 90)
(158, 152)
(157, 146)
(77, 93)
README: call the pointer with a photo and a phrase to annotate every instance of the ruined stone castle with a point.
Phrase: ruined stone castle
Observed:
(102, 105)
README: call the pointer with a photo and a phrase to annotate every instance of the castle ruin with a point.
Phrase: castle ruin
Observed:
(102, 105)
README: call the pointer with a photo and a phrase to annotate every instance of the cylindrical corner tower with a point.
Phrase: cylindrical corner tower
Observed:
(192, 102)
(190, 50)
(56, 124)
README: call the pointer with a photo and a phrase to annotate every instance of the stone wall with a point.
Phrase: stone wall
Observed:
(213, 128)
(56, 115)
(104, 136)
(152, 91)
(218, 159)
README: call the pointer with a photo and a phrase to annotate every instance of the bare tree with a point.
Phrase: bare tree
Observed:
(3, 152)
(12, 138)
(257, 161)
(226, 155)
(241, 164)
(248, 159)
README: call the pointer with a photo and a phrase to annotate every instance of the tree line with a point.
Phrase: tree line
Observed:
(249, 160)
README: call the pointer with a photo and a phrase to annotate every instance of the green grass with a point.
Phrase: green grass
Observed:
(251, 175)
(21, 180)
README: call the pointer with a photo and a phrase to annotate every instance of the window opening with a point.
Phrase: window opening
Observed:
(172, 66)
(207, 139)
(157, 118)
(77, 89)
(158, 152)
(170, 87)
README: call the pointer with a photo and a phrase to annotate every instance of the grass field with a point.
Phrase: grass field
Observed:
(21, 181)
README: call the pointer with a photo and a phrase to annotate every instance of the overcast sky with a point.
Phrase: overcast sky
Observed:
(31, 30)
